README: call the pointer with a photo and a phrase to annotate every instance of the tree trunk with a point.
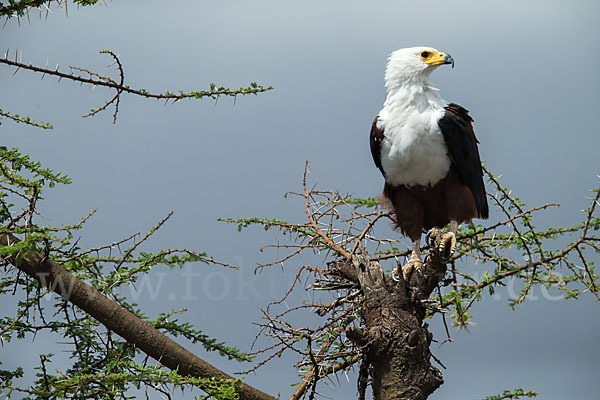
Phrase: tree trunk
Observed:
(397, 340)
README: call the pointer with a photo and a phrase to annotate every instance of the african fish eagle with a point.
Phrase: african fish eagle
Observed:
(427, 152)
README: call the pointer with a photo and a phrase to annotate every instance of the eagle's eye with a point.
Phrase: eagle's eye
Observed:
(425, 54)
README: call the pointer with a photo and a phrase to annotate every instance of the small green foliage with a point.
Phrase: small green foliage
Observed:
(358, 202)
(215, 92)
(25, 120)
(573, 294)
(6, 377)
(113, 378)
(512, 395)
(268, 223)
(20, 7)
(462, 318)
(34, 177)
(176, 328)
(392, 251)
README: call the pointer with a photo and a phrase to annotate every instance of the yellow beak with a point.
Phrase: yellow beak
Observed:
(440, 59)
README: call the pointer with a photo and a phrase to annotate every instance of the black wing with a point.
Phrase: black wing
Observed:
(376, 139)
(457, 128)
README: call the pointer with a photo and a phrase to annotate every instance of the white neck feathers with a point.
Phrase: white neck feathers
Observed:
(416, 95)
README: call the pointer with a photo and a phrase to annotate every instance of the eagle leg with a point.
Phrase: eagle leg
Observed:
(412, 270)
(443, 243)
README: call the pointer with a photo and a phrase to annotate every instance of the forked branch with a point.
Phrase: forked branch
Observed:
(96, 79)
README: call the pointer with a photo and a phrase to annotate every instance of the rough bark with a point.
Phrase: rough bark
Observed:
(397, 340)
(121, 321)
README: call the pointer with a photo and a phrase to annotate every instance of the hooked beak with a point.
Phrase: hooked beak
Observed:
(440, 59)
(448, 59)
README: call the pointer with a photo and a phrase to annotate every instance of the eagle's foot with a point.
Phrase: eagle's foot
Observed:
(443, 244)
(431, 236)
(412, 270)
(447, 246)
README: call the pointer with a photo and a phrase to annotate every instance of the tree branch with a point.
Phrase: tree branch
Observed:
(120, 320)
(96, 79)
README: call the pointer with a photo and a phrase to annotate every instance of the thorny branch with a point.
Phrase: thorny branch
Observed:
(25, 120)
(24, 7)
(96, 79)
(339, 228)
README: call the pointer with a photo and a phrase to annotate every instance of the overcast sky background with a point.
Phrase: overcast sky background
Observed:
(527, 71)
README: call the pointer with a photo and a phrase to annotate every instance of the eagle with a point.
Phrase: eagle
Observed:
(427, 151)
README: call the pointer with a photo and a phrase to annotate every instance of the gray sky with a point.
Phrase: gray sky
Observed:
(527, 71)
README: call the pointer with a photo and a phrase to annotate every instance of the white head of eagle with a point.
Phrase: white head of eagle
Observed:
(413, 65)
(425, 148)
